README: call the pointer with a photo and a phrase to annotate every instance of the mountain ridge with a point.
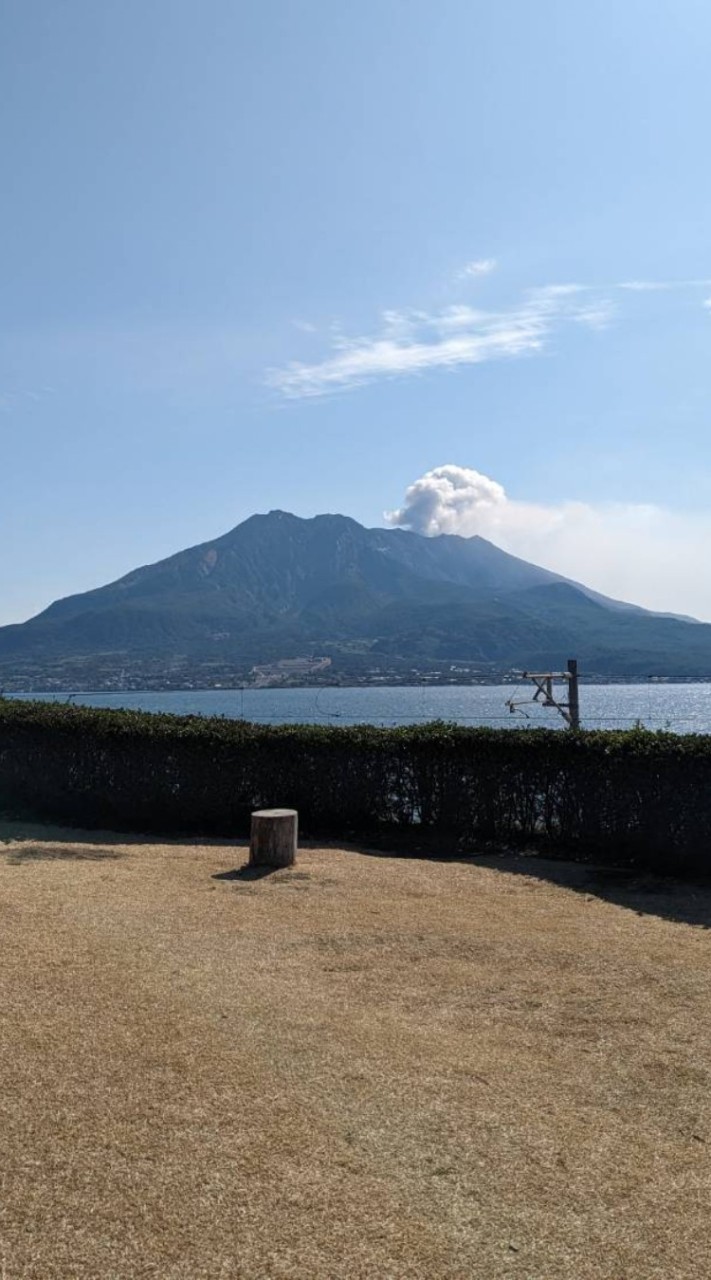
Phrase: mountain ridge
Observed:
(277, 585)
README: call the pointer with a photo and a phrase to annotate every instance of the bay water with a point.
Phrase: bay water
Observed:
(680, 708)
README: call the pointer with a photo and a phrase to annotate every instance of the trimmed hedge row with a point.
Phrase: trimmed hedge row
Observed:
(634, 795)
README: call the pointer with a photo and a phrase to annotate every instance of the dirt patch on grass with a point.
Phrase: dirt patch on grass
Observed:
(367, 1067)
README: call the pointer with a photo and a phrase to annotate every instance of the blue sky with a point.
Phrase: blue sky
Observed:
(301, 255)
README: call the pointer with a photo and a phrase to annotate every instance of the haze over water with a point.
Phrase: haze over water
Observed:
(681, 708)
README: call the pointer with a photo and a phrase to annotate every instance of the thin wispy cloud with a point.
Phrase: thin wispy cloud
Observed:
(661, 286)
(410, 342)
(11, 400)
(413, 342)
(644, 286)
(477, 268)
(596, 315)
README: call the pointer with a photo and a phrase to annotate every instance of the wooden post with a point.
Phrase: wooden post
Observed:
(273, 838)
(573, 696)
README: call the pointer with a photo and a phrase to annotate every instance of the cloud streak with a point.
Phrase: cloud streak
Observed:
(661, 286)
(16, 400)
(477, 268)
(413, 342)
(638, 552)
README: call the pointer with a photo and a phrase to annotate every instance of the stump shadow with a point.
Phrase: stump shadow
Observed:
(246, 873)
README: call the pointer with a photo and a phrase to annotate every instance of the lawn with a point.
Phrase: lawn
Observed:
(367, 1067)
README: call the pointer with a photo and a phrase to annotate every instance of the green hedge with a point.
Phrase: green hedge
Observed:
(633, 795)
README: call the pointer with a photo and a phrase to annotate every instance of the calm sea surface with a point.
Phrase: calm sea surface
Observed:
(682, 708)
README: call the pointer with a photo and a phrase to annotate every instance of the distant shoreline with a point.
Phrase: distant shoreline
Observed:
(511, 681)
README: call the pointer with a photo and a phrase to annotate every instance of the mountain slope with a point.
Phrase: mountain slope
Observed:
(278, 585)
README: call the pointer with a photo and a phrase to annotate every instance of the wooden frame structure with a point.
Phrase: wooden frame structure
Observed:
(544, 680)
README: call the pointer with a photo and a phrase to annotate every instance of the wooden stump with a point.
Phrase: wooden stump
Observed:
(273, 837)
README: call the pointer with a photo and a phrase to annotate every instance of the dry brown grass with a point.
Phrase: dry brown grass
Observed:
(368, 1067)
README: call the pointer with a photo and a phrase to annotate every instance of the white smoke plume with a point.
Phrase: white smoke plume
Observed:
(642, 553)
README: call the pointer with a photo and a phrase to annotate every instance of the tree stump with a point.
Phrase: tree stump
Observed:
(272, 841)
